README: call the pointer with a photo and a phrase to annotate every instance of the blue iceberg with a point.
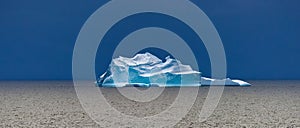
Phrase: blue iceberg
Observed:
(147, 70)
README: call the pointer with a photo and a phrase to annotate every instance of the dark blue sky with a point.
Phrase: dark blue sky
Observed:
(261, 37)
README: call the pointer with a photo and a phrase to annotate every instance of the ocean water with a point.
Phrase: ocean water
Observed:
(55, 104)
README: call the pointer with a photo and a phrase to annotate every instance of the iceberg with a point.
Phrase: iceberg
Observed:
(147, 70)
(228, 82)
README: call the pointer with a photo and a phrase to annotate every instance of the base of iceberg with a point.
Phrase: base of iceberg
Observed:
(204, 82)
(146, 70)
(227, 82)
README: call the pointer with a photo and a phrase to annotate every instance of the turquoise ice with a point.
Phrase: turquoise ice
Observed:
(146, 70)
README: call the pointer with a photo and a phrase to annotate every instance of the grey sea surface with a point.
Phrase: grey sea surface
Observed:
(47, 104)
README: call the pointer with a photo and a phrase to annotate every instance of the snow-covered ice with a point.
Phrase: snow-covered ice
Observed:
(145, 70)
(208, 81)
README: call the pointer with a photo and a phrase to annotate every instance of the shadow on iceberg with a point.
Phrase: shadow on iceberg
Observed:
(147, 70)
